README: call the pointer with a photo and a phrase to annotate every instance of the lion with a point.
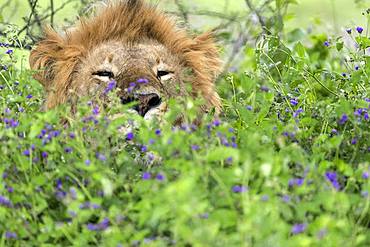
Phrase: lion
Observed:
(137, 46)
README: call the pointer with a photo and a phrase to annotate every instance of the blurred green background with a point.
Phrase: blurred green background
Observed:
(330, 14)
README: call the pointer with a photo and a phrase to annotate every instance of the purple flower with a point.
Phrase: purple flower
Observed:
(87, 162)
(101, 157)
(332, 178)
(9, 52)
(296, 181)
(158, 132)
(10, 235)
(297, 112)
(26, 152)
(294, 102)
(327, 43)
(29, 96)
(264, 89)
(160, 177)
(359, 29)
(334, 131)
(354, 141)
(44, 155)
(5, 201)
(239, 188)
(130, 136)
(68, 150)
(95, 110)
(110, 87)
(366, 116)
(144, 148)
(265, 198)
(365, 175)
(72, 135)
(216, 122)
(349, 30)
(249, 108)
(195, 147)
(285, 198)
(142, 81)
(357, 67)
(146, 176)
(343, 119)
(298, 228)
(103, 225)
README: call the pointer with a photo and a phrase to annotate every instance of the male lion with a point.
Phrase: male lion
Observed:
(128, 41)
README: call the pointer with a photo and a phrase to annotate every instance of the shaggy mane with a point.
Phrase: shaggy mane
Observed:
(128, 21)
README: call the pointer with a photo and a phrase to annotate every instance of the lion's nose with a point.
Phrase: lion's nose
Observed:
(146, 102)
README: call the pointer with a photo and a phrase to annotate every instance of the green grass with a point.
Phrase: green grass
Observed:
(286, 164)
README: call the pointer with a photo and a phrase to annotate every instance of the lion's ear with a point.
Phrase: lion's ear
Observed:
(204, 59)
(44, 57)
(205, 46)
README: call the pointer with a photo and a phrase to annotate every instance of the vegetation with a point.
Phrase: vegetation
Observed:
(286, 164)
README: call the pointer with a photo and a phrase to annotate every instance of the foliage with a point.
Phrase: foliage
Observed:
(287, 163)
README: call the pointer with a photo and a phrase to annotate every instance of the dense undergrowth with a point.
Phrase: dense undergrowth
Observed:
(286, 164)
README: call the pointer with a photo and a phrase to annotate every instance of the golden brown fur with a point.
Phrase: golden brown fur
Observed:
(57, 57)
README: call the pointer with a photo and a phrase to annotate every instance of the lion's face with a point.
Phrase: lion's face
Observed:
(135, 45)
(144, 72)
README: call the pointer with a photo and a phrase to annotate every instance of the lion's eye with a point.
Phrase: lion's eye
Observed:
(161, 73)
(104, 73)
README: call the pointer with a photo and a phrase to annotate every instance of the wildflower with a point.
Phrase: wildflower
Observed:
(146, 176)
(285, 198)
(349, 30)
(103, 225)
(265, 198)
(26, 152)
(158, 132)
(21, 109)
(264, 89)
(334, 131)
(44, 154)
(364, 194)
(73, 193)
(142, 81)
(110, 87)
(144, 148)
(68, 150)
(366, 116)
(332, 178)
(357, 67)
(130, 136)
(160, 177)
(101, 157)
(239, 188)
(10, 235)
(131, 87)
(296, 181)
(95, 110)
(326, 43)
(365, 175)
(343, 119)
(9, 52)
(354, 141)
(195, 147)
(298, 228)
(297, 112)
(359, 30)
(249, 108)
(294, 102)
(72, 135)
(5, 201)
(216, 122)
(322, 233)
(29, 96)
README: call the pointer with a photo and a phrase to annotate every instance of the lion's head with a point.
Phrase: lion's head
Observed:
(133, 44)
